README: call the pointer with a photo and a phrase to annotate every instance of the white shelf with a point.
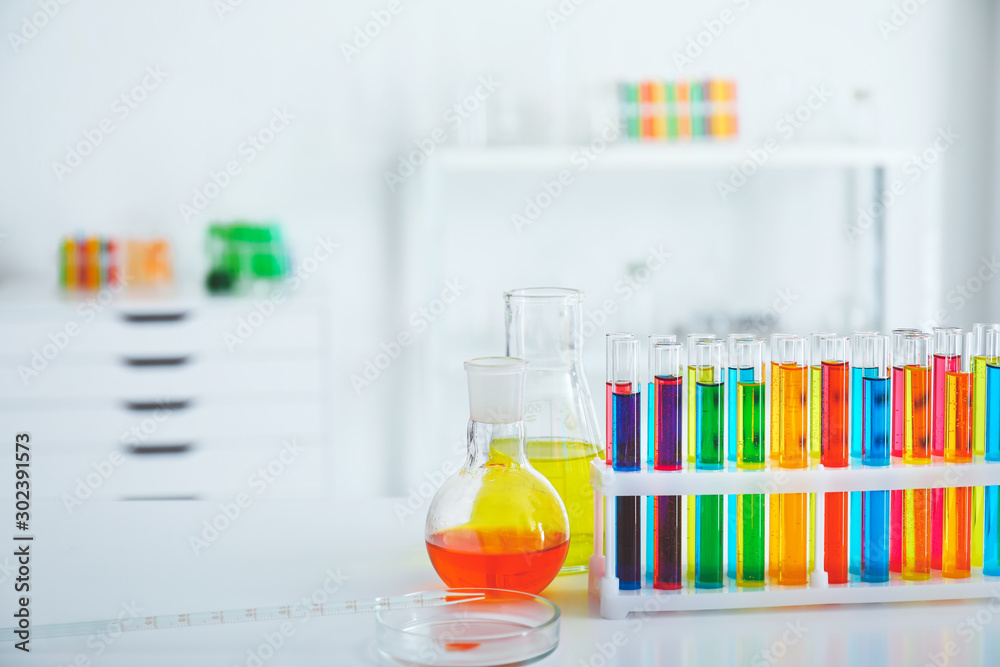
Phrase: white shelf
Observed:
(816, 479)
(634, 156)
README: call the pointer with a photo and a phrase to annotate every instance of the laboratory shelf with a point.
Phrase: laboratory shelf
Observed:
(667, 156)
(609, 484)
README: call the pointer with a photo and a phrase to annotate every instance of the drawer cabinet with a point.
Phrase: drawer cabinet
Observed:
(192, 395)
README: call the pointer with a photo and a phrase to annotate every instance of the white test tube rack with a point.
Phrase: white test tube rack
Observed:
(616, 604)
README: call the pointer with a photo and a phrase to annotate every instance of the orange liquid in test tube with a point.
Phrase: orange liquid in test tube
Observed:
(793, 507)
(956, 560)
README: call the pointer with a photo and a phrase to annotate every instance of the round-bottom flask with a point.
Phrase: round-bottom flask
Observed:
(497, 522)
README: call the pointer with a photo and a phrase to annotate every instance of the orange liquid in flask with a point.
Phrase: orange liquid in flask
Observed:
(496, 558)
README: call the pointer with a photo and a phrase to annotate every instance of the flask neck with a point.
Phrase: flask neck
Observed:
(496, 444)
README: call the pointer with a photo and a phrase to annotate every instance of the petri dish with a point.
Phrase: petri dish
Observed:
(501, 628)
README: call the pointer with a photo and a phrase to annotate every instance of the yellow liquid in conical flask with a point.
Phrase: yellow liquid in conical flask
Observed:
(566, 464)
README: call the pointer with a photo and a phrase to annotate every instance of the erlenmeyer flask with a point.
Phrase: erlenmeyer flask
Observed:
(497, 522)
(544, 327)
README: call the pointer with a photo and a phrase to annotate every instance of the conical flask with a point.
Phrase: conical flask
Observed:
(545, 327)
(497, 522)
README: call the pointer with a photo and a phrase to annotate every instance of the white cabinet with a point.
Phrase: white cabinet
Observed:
(172, 398)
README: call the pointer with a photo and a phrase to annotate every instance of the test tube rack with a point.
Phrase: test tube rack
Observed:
(609, 484)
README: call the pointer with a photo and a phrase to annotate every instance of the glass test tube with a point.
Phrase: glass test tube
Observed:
(611, 340)
(654, 340)
(991, 530)
(876, 434)
(941, 363)
(732, 382)
(956, 556)
(793, 433)
(915, 359)
(773, 401)
(980, 359)
(898, 409)
(625, 426)
(815, 392)
(666, 368)
(709, 429)
(815, 340)
(834, 414)
(691, 382)
(750, 454)
(857, 442)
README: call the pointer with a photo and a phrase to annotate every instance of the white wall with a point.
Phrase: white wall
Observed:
(324, 173)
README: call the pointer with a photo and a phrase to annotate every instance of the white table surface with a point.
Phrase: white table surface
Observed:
(86, 565)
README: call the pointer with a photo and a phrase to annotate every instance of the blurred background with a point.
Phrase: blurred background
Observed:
(247, 245)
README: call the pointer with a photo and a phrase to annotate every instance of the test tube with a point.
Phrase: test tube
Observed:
(915, 360)
(773, 402)
(815, 340)
(941, 363)
(991, 539)
(709, 429)
(654, 340)
(666, 368)
(877, 435)
(750, 455)
(793, 432)
(857, 442)
(691, 382)
(980, 359)
(834, 414)
(898, 410)
(956, 561)
(625, 425)
(611, 341)
(815, 391)
(732, 383)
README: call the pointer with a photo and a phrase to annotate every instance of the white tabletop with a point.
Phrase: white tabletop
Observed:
(87, 565)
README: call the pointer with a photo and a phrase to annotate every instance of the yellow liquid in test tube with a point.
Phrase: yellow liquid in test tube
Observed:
(695, 375)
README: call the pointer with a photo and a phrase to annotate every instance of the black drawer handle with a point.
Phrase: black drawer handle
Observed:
(147, 362)
(178, 448)
(152, 318)
(148, 406)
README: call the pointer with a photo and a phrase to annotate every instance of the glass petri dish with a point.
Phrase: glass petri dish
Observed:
(502, 628)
